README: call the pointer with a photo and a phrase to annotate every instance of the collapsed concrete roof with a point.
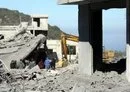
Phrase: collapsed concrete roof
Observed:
(96, 4)
(19, 46)
(78, 1)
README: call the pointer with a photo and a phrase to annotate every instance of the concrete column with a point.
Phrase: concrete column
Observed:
(90, 38)
(128, 41)
(85, 45)
(96, 32)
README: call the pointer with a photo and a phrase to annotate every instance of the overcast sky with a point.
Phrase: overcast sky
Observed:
(66, 17)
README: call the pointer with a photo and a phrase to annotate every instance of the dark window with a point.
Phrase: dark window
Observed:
(38, 21)
(31, 31)
(71, 50)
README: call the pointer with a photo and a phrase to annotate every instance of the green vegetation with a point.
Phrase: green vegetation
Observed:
(54, 32)
(12, 17)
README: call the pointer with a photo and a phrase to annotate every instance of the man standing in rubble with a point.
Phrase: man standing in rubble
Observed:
(47, 63)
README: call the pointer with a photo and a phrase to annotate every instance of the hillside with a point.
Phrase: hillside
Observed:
(12, 17)
(54, 32)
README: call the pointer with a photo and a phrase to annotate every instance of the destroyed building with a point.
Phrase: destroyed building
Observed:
(23, 41)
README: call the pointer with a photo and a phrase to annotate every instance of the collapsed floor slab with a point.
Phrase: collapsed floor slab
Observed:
(23, 50)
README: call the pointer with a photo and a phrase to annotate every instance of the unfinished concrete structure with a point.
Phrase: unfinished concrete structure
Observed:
(90, 31)
(39, 24)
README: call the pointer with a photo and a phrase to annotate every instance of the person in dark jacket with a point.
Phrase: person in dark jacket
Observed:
(53, 63)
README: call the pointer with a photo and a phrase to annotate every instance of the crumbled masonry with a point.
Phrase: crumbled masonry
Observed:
(19, 46)
(64, 80)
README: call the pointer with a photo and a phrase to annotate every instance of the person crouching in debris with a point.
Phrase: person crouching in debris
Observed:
(32, 63)
(20, 64)
(47, 63)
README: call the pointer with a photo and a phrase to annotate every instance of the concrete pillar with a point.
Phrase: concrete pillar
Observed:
(90, 38)
(96, 32)
(128, 40)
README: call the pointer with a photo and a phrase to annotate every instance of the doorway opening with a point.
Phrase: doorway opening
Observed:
(114, 40)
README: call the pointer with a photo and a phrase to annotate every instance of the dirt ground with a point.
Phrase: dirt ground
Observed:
(65, 79)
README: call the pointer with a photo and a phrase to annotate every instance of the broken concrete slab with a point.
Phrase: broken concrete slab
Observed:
(34, 69)
(8, 50)
(79, 88)
(20, 30)
(23, 51)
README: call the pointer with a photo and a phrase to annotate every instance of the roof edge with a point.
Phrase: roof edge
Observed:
(69, 1)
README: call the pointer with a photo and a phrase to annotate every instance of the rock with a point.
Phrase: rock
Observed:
(34, 69)
(39, 76)
(20, 65)
(79, 88)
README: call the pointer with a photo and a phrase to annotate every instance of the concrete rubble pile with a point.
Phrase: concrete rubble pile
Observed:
(64, 80)
(102, 82)
(19, 46)
(37, 80)
(4, 75)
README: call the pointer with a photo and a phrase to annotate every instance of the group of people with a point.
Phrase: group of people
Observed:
(50, 63)
(21, 64)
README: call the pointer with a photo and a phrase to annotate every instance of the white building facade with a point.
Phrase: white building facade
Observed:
(55, 46)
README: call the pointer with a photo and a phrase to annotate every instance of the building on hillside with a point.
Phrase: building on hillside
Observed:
(90, 28)
(39, 25)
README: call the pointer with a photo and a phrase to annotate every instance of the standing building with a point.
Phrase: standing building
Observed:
(90, 31)
(39, 24)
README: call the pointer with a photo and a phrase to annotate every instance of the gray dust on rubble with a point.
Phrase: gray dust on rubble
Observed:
(60, 80)
(66, 79)
(102, 82)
